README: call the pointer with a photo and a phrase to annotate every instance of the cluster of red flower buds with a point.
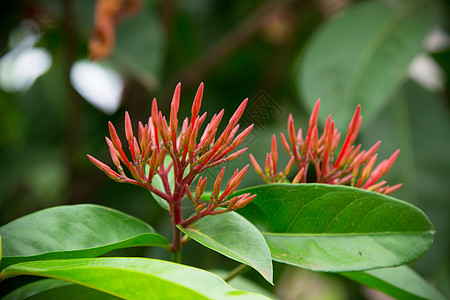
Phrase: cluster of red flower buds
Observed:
(351, 167)
(271, 174)
(189, 157)
(218, 199)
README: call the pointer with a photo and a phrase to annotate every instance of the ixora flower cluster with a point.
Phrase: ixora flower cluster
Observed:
(351, 166)
(189, 155)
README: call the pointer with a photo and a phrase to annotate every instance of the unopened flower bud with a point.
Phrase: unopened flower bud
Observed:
(236, 154)
(368, 168)
(106, 169)
(199, 208)
(218, 182)
(197, 102)
(190, 197)
(289, 165)
(128, 127)
(233, 201)
(113, 152)
(314, 114)
(114, 137)
(393, 189)
(285, 144)
(200, 188)
(256, 166)
(274, 153)
(299, 175)
(243, 202)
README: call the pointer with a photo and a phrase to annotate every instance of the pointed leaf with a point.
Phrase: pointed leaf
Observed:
(337, 228)
(134, 278)
(243, 283)
(401, 283)
(233, 236)
(362, 57)
(72, 232)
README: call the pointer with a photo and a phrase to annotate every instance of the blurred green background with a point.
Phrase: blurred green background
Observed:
(392, 57)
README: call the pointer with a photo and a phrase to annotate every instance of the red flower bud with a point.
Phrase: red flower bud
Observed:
(106, 169)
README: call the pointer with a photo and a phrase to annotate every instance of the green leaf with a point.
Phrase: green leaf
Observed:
(73, 232)
(337, 228)
(140, 44)
(401, 283)
(362, 57)
(134, 278)
(233, 236)
(157, 183)
(55, 289)
(242, 283)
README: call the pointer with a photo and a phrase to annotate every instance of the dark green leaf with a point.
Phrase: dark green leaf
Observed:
(73, 232)
(134, 278)
(31, 289)
(55, 289)
(362, 57)
(401, 283)
(140, 46)
(242, 283)
(233, 236)
(418, 122)
(337, 228)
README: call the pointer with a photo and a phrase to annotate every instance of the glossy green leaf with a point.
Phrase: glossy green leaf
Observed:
(73, 291)
(233, 236)
(243, 283)
(337, 228)
(134, 278)
(418, 122)
(55, 289)
(362, 57)
(73, 232)
(401, 283)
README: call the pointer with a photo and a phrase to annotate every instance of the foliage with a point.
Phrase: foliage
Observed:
(283, 55)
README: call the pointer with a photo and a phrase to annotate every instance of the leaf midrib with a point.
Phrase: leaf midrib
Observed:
(325, 234)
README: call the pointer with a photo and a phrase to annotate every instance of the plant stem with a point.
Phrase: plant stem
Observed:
(175, 247)
(176, 256)
(239, 270)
